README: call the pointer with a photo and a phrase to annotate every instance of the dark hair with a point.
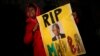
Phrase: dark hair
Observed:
(55, 25)
(32, 5)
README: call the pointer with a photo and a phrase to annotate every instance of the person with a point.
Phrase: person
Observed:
(32, 33)
(56, 31)
(75, 17)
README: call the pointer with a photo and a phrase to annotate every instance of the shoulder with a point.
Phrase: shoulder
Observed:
(54, 38)
(63, 35)
(31, 20)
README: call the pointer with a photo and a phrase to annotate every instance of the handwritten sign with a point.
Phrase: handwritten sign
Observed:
(59, 33)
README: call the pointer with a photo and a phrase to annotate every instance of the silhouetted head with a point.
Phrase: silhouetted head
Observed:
(31, 10)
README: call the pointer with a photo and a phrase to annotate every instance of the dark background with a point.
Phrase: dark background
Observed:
(13, 24)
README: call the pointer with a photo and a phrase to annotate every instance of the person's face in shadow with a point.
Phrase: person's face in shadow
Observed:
(56, 31)
(31, 12)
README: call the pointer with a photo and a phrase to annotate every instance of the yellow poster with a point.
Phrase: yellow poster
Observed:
(59, 33)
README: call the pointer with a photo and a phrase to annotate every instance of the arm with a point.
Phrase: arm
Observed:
(29, 30)
(28, 36)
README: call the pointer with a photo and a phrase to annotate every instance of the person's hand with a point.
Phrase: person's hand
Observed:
(36, 26)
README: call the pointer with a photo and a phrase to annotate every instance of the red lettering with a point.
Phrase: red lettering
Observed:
(72, 47)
